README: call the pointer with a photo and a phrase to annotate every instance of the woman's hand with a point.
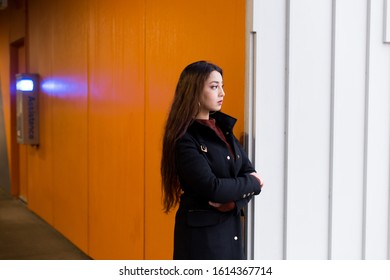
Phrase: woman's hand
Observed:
(261, 181)
(223, 207)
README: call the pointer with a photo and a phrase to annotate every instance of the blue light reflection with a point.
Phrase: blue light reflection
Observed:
(62, 88)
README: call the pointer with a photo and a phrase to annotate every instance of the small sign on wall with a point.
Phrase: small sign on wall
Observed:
(386, 21)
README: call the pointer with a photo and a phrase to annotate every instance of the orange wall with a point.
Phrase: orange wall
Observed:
(108, 72)
(116, 132)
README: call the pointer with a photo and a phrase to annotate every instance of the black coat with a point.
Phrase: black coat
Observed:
(208, 171)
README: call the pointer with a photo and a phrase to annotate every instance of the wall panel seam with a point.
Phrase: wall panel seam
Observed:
(331, 132)
(250, 135)
(286, 127)
(146, 99)
(88, 152)
(366, 130)
(385, 15)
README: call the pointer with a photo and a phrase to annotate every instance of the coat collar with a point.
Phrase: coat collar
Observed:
(223, 121)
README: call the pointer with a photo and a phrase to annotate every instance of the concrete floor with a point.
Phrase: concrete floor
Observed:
(25, 236)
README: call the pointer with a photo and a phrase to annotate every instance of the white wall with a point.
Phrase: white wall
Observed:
(321, 128)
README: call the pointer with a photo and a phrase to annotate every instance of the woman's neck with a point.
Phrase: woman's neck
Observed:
(203, 115)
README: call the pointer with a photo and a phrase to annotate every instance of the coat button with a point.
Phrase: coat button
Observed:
(228, 157)
(238, 156)
(244, 196)
(235, 238)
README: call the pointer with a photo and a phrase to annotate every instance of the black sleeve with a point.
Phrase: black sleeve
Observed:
(246, 168)
(196, 175)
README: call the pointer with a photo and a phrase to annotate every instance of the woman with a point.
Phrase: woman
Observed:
(204, 169)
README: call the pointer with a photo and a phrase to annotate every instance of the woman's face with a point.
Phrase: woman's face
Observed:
(211, 98)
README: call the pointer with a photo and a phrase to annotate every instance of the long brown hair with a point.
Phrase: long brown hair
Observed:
(184, 108)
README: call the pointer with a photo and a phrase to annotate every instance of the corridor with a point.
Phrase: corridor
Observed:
(25, 236)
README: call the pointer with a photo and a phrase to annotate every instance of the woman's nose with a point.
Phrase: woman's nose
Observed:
(221, 92)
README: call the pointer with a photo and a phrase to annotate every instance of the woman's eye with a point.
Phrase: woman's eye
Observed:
(214, 87)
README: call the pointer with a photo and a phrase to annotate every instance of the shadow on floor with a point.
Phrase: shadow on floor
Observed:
(25, 236)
